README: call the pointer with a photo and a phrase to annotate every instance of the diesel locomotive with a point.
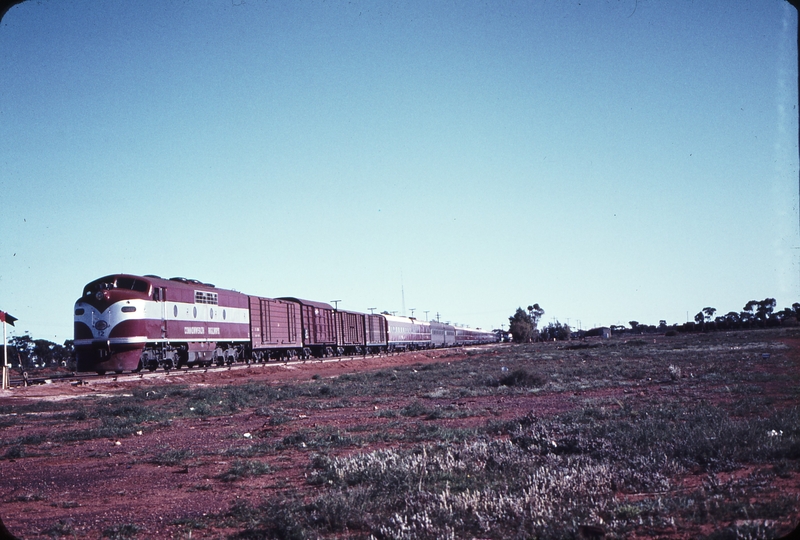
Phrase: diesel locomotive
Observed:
(126, 322)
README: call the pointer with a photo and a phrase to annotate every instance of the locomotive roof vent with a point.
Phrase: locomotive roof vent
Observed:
(192, 281)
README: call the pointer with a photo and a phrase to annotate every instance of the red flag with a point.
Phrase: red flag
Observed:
(6, 318)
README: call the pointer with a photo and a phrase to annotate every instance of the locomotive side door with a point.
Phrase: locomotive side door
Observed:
(160, 296)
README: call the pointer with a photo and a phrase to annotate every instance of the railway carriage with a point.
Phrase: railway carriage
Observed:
(472, 336)
(406, 333)
(442, 335)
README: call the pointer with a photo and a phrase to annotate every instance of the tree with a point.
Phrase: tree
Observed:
(748, 312)
(26, 353)
(764, 309)
(557, 331)
(535, 313)
(21, 351)
(733, 319)
(521, 326)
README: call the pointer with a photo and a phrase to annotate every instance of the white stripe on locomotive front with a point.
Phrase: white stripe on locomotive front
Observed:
(151, 310)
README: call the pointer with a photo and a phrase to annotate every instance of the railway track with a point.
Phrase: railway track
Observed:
(94, 378)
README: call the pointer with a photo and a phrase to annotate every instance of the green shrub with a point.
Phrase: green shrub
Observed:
(523, 378)
(244, 469)
(121, 532)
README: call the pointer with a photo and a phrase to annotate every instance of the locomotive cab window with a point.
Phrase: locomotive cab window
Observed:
(133, 284)
(109, 282)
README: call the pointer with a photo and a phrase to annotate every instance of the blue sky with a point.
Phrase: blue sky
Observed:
(613, 161)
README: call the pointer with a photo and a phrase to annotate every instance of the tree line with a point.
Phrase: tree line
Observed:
(24, 352)
(523, 325)
(755, 314)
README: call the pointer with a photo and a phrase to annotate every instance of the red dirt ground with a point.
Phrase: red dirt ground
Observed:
(89, 486)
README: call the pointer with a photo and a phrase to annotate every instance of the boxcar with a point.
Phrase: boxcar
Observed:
(375, 332)
(276, 328)
(318, 327)
(351, 332)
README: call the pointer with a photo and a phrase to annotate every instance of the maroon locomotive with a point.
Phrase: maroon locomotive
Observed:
(128, 323)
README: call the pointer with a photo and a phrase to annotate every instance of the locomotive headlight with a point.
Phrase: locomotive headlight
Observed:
(128, 309)
(79, 311)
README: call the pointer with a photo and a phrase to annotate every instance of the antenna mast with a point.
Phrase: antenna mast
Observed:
(402, 293)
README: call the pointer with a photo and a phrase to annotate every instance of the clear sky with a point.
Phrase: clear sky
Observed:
(611, 160)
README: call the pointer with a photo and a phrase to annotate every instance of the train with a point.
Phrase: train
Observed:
(126, 322)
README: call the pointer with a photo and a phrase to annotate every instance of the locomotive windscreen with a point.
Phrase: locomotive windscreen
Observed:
(133, 284)
(113, 282)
